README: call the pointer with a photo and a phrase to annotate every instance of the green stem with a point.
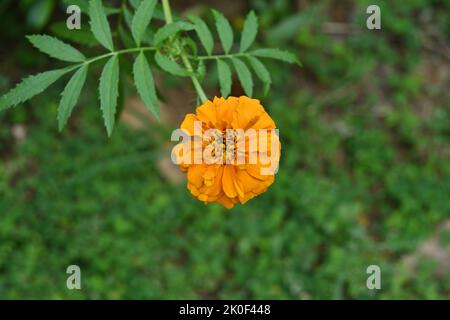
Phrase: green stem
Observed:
(198, 87)
(110, 54)
(167, 11)
(221, 56)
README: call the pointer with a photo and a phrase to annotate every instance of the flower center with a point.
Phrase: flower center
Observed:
(224, 145)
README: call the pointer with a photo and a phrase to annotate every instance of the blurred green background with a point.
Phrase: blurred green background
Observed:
(364, 177)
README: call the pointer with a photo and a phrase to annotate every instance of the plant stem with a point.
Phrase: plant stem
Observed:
(221, 56)
(198, 87)
(167, 11)
(110, 54)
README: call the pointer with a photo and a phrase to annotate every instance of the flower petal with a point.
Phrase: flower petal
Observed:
(226, 202)
(195, 173)
(207, 113)
(188, 123)
(228, 181)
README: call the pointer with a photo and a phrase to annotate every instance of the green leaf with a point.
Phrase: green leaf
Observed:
(262, 72)
(83, 36)
(201, 70)
(171, 29)
(224, 30)
(111, 11)
(157, 13)
(135, 3)
(203, 33)
(143, 79)
(109, 90)
(276, 54)
(70, 95)
(125, 37)
(39, 13)
(289, 26)
(56, 48)
(244, 75)
(170, 66)
(121, 91)
(99, 24)
(224, 73)
(128, 16)
(31, 86)
(249, 32)
(189, 45)
(142, 19)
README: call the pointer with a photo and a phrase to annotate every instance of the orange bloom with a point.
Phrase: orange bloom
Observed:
(241, 165)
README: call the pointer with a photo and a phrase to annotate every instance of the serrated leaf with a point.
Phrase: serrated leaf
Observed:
(249, 32)
(70, 95)
(224, 30)
(56, 48)
(143, 79)
(171, 29)
(31, 86)
(169, 65)
(203, 33)
(225, 80)
(244, 75)
(99, 24)
(142, 19)
(108, 89)
(276, 54)
(262, 72)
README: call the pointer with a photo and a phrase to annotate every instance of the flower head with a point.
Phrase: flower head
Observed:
(230, 152)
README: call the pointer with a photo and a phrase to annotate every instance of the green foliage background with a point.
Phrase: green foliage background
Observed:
(364, 177)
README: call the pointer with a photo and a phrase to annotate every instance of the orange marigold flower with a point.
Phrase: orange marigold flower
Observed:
(231, 152)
